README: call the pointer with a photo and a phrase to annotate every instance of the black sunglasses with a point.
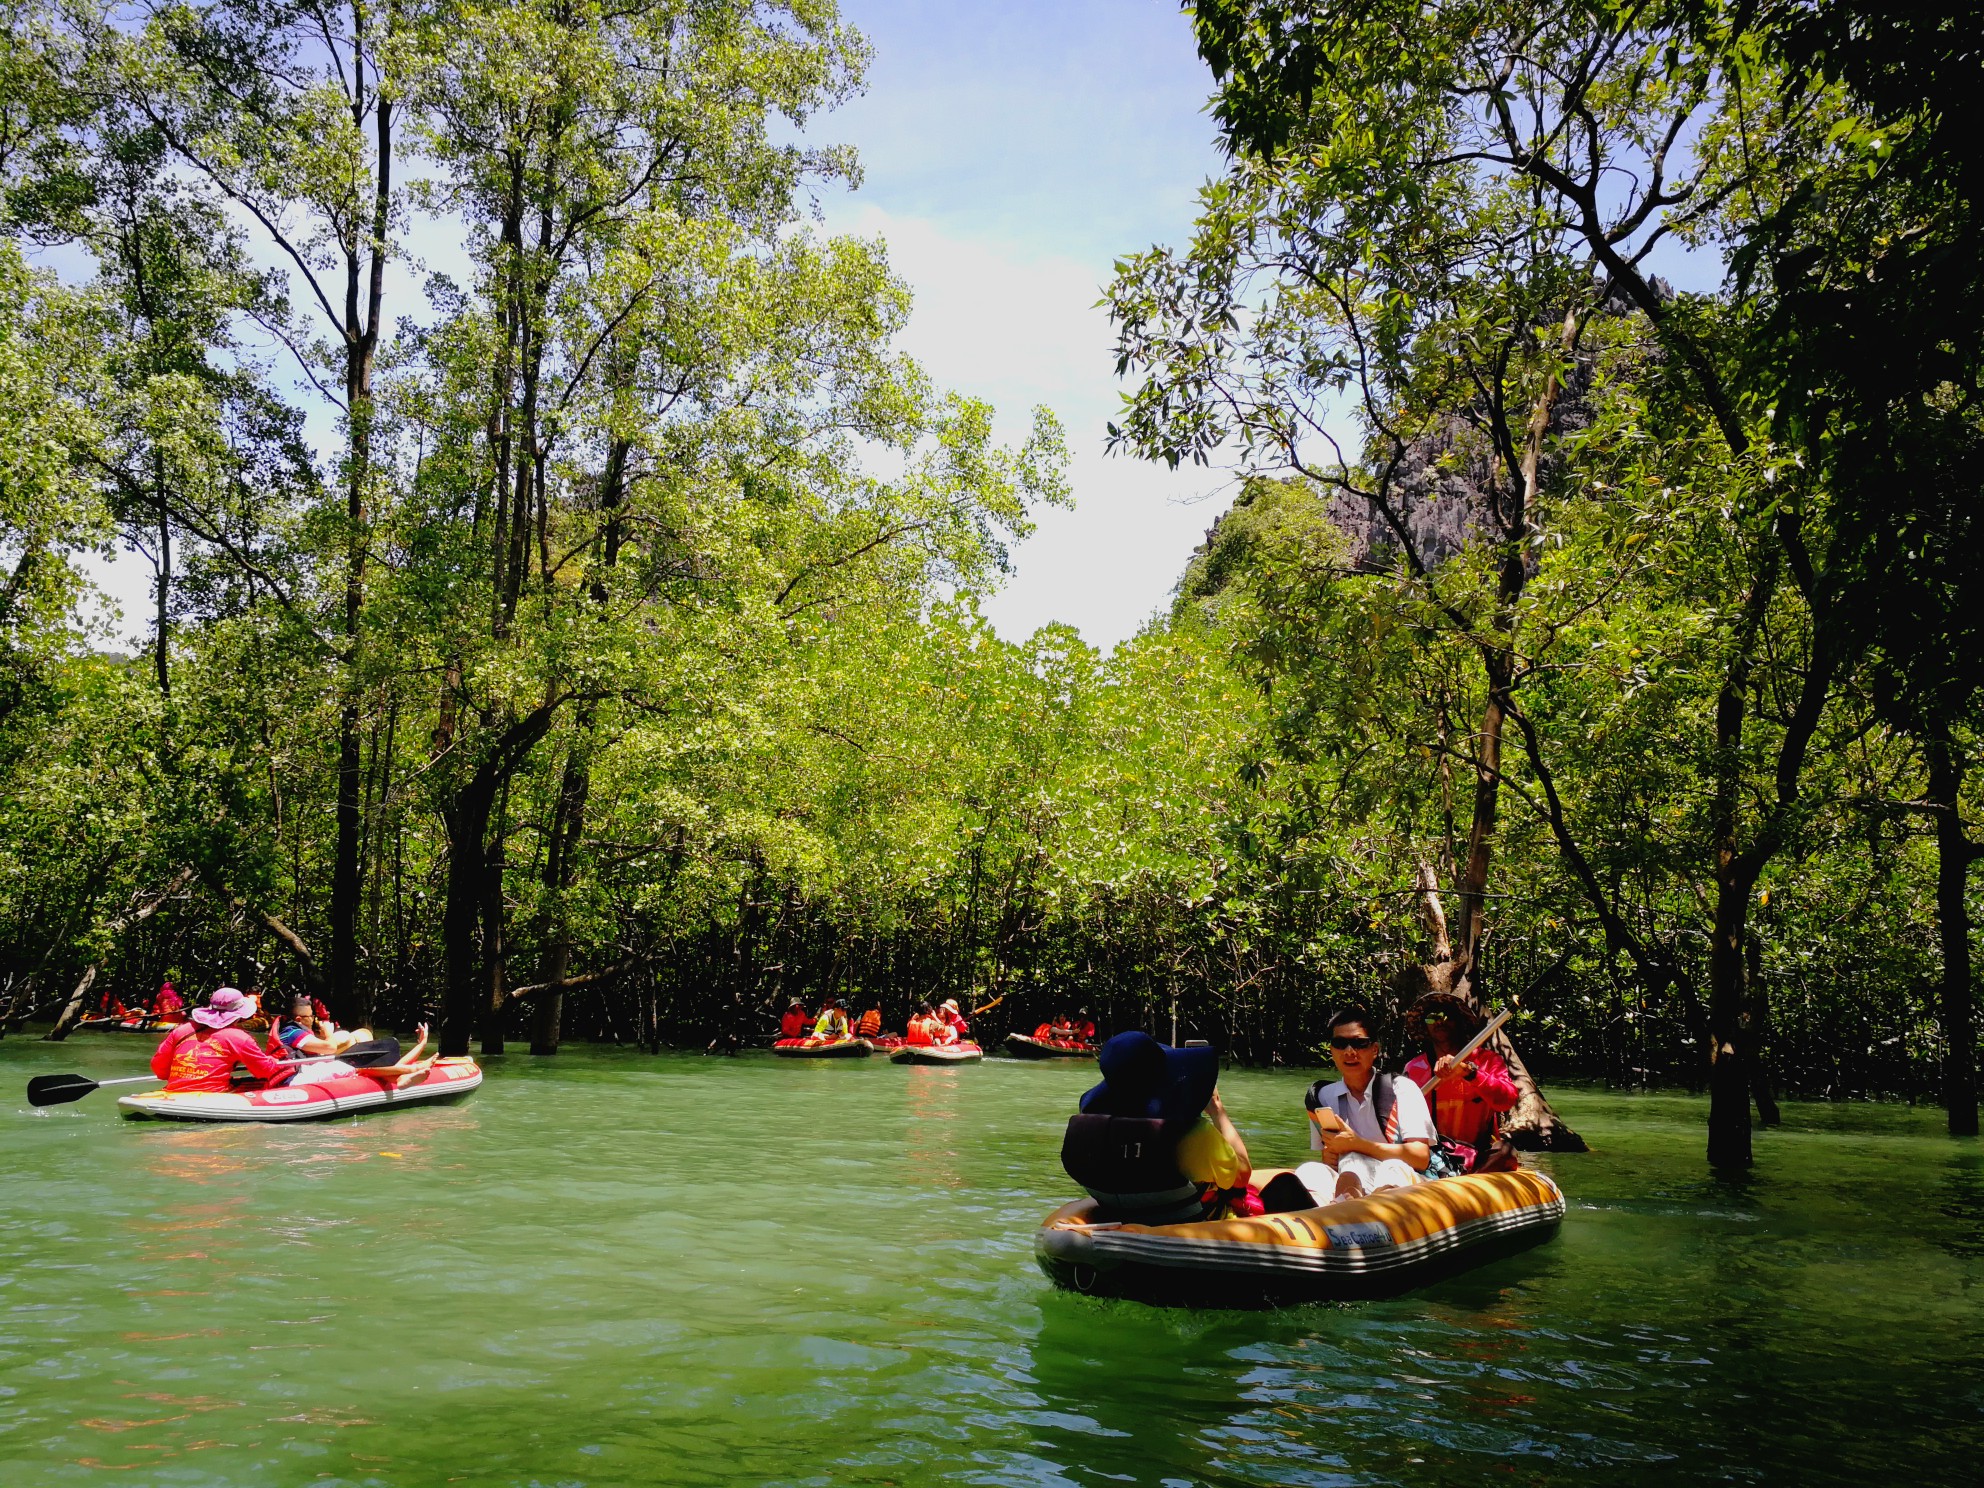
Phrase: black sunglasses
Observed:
(1352, 1043)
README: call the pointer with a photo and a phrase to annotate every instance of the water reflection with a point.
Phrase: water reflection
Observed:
(931, 1147)
(1126, 1392)
(607, 1269)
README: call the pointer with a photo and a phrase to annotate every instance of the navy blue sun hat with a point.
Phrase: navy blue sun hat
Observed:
(1141, 1077)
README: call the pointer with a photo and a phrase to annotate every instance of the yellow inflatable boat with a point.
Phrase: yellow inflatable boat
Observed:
(1371, 1247)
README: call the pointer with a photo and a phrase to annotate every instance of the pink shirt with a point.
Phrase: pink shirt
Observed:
(192, 1057)
(1466, 1109)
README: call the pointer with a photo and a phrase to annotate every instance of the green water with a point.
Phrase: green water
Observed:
(608, 1269)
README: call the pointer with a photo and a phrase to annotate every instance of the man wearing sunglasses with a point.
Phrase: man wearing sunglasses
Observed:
(1373, 1131)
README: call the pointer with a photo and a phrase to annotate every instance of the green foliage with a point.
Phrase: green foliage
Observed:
(624, 633)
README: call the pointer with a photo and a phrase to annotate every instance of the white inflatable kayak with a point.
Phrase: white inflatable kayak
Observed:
(445, 1080)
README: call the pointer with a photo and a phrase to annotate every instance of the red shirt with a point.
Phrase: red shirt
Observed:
(194, 1057)
(1466, 1109)
(795, 1024)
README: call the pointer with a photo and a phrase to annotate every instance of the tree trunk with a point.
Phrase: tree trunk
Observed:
(361, 343)
(495, 944)
(567, 821)
(72, 1011)
(466, 1006)
(163, 652)
(1728, 1071)
(547, 1012)
(1756, 1034)
(1954, 851)
(468, 825)
(1532, 1124)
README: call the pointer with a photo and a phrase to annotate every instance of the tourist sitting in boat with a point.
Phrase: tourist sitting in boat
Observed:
(1084, 1027)
(831, 1026)
(1471, 1095)
(796, 1022)
(1373, 1131)
(302, 1032)
(870, 1024)
(926, 1028)
(1152, 1144)
(203, 1053)
(301, 1035)
(168, 1004)
(953, 1019)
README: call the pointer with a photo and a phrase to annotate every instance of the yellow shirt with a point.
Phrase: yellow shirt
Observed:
(1204, 1156)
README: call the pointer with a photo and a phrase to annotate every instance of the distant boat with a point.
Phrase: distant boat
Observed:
(958, 1053)
(1025, 1046)
(146, 1024)
(847, 1048)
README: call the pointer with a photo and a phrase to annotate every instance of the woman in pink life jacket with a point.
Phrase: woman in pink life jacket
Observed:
(204, 1052)
(1472, 1094)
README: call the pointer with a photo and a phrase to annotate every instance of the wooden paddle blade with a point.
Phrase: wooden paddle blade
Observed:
(55, 1090)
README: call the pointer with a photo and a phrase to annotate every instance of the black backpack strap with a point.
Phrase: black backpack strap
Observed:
(1384, 1104)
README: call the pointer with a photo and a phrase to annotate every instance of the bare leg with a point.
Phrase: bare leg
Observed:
(399, 1075)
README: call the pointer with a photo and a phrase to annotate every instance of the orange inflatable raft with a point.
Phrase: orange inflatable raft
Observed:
(962, 1052)
(847, 1048)
(445, 1079)
(1026, 1046)
(1371, 1247)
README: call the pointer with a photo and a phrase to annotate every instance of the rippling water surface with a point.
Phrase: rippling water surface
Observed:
(610, 1269)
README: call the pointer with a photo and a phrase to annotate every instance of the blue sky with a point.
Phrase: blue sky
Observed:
(1012, 151)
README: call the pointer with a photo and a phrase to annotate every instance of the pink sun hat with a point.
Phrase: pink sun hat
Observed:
(228, 1006)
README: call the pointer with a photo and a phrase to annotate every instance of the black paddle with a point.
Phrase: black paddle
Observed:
(58, 1090)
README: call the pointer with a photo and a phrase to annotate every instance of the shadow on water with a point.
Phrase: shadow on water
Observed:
(1962, 1201)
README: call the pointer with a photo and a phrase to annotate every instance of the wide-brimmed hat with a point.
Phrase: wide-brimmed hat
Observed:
(1467, 1020)
(227, 1006)
(1141, 1077)
(949, 1002)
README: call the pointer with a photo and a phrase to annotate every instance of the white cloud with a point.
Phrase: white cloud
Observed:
(1022, 327)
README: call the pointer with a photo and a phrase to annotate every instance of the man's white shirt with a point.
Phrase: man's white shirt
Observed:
(1415, 1121)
